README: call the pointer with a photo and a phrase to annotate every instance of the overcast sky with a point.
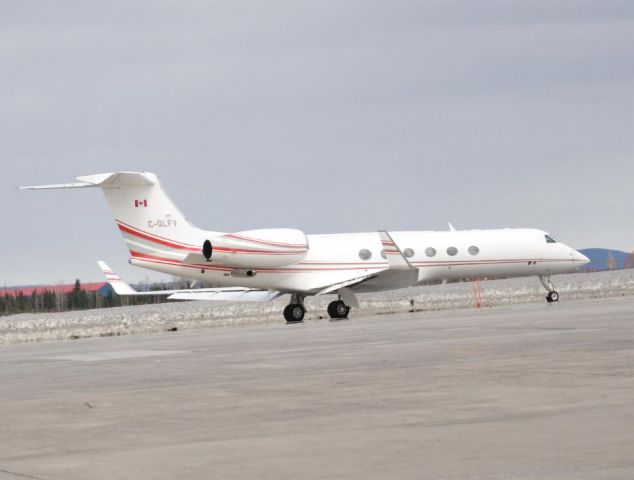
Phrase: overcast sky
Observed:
(327, 116)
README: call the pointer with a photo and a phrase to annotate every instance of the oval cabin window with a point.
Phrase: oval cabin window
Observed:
(452, 251)
(365, 254)
(430, 251)
(408, 252)
(473, 250)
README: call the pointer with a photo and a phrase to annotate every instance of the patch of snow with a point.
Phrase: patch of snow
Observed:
(192, 315)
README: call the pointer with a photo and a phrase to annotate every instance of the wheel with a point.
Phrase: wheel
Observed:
(294, 313)
(338, 309)
(552, 297)
(342, 310)
(332, 313)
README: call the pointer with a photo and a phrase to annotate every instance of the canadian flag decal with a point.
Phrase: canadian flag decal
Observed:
(140, 203)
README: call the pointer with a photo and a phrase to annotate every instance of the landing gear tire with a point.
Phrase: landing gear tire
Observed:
(294, 313)
(338, 309)
(552, 296)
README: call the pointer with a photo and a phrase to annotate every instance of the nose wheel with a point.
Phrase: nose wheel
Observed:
(338, 309)
(552, 295)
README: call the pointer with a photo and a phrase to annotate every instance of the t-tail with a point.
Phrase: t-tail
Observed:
(157, 232)
(150, 222)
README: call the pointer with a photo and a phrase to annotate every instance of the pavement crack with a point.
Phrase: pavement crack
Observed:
(21, 475)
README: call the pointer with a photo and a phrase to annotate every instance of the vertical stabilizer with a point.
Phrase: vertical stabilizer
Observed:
(151, 224)
(148, 219)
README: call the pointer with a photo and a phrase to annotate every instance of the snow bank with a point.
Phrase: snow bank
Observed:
(191, 315)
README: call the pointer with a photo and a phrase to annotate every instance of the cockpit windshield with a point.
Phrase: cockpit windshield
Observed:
(549, 239)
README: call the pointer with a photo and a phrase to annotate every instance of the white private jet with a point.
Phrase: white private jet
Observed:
(259, 265)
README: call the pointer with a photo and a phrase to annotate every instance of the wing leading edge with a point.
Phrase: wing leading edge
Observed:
(230, 294)
(399, 272)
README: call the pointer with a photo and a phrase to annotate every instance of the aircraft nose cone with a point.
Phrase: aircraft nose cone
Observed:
(580, 257)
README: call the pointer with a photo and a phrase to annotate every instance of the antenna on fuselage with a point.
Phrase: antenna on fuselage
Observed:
(451, 227)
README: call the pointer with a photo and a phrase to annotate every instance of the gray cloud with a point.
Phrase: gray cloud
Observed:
(324, 116)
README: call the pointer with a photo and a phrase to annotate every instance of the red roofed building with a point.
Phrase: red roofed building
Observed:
(102, 288)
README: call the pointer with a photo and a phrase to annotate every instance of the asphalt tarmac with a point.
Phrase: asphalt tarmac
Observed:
(524, 391)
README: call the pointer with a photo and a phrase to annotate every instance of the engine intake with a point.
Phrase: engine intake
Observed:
(257, 249)
(207, 249)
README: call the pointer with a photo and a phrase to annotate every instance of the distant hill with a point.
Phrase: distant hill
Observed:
(599, 258)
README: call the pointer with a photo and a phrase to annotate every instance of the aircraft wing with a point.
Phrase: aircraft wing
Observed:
(347, 283)
(394, 255)
(399, 272)
(229, 294)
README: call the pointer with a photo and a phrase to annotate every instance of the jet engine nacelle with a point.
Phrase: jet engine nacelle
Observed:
(267, 248)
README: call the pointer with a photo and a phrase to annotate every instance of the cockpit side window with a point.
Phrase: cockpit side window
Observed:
(550, 239)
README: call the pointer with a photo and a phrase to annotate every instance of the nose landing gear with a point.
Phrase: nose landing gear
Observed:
(552, 295)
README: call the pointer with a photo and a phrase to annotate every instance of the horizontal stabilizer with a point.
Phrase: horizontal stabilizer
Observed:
(59, 186)
(112, 179)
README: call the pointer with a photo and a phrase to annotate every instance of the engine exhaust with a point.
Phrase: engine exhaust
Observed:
(207, 249)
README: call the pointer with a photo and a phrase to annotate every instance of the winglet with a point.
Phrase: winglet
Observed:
(395, 258)
(118, 285)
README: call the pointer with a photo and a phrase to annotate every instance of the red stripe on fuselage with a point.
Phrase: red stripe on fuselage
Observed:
(256, 252)
(296, 269)
(171, 261)
(265, 242)
(180, 246)
(156, 236)
(152, 238)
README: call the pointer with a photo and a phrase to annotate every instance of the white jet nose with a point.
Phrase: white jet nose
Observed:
(579, 257)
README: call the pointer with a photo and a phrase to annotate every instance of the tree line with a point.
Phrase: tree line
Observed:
(77, 299)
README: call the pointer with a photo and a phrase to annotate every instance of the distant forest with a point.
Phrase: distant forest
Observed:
(77, 299)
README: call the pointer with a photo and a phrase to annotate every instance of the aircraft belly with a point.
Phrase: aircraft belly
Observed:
(495, 270)
(296, 279)
(312, 281)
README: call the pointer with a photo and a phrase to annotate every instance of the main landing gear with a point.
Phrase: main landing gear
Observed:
(294, 312)
(338, 309)
(552, 295)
